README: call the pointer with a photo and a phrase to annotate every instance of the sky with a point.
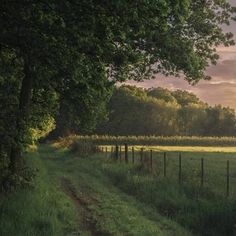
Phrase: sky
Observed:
(221, 89)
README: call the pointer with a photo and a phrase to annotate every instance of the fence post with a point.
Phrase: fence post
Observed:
(117, 152)
(133, 155)
(202, 172)
(180, 168)
(141, 156)
(164, 161)
(106, 151)
(227, 190)
(126, 153)
(111, 151)
(151, 160)
(120, 153)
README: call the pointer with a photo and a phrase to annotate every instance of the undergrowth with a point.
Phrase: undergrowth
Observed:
(198, 209)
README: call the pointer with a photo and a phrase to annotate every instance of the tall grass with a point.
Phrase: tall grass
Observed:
(200, 210)
(39, 211)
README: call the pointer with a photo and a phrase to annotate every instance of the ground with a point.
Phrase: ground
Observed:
(94, 195)
(73, 197)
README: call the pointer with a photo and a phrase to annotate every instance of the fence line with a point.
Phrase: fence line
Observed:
(116, 152)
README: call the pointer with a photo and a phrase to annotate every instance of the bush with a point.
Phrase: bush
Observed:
(11, 181)
(65, 142)
(84, 148)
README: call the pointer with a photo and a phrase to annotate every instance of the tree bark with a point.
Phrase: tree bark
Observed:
(22, 117)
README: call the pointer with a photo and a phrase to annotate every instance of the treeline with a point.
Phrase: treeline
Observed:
(159, 111)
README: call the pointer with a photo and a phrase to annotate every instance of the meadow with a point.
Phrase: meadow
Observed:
(205, 204)
(96, 194)
(208, 167)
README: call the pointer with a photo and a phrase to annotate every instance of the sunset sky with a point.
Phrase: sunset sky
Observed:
(221, 89)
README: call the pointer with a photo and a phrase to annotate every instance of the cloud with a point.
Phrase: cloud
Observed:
(220, 90)
(225, 69)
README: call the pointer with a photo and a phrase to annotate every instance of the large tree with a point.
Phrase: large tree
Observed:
(58, 43)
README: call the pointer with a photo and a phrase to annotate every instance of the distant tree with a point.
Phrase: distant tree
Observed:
(221, 121)
(133, 112)
(161, 93)
(185, 98)
(137, 111)
(192, 118)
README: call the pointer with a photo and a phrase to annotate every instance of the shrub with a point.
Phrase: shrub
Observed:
(84, 148)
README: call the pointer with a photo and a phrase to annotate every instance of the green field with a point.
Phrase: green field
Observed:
(97, 195)
(214, 166)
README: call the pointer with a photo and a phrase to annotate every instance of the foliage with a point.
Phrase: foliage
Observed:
(83, 148)
(158, 111)
(82, 106)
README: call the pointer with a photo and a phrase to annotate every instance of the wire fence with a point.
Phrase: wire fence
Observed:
(206, 172)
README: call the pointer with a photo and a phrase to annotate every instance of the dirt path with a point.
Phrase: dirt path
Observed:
(86, 220)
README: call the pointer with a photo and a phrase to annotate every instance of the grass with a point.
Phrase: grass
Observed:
(215, 165)
(101, 196)
(112, 211)
(201, 210)
(42, 210)
(103, 208)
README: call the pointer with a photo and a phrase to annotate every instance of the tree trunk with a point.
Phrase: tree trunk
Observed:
(22, 118)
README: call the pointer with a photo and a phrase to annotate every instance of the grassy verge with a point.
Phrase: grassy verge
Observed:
(109, 210)
(43, 210)
(214, 167)
(200, 210)
(74, 196)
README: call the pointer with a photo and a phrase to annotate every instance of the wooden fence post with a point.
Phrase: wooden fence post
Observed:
(106, 151)
(126, 153)
(180, 168)
(120, 153)
(227, 185)
(117, 152)
(133, 155)
(141, 156)
(164, 164)
(111, 151)
(202, 172)
(151, 160)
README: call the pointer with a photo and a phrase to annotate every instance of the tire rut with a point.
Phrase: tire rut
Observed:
(87, 222)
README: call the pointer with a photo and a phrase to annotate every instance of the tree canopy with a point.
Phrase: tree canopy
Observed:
(137, 111)
(59, 54)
